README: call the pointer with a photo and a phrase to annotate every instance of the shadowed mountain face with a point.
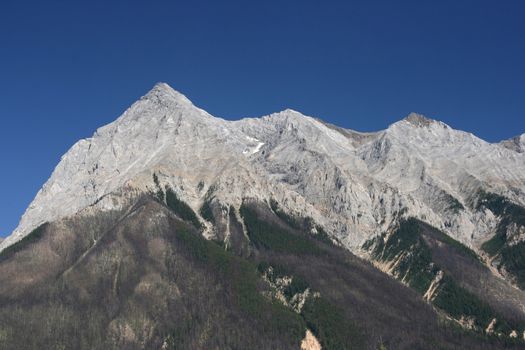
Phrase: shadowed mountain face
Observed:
(142, 278)
(137, 278)
(451, 277)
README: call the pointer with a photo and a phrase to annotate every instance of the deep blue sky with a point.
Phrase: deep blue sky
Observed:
(68, 67)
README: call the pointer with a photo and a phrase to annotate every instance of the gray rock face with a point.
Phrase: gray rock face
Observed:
(355, 185)
(419, 120)
(516, 143)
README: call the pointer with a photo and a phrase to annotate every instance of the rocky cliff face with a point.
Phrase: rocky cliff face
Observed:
(355, 185)
(516, 143)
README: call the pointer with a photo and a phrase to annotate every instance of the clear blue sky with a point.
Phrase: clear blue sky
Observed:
(68, 67)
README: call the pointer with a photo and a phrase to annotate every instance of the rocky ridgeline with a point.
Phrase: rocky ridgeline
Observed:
(354, 185)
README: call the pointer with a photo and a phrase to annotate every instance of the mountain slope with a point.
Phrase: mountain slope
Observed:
(450, 276)
(134, 279)
(140, 277)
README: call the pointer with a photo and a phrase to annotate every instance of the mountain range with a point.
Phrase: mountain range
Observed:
(171, 228)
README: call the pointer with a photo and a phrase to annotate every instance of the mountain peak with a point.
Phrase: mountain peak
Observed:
(163, 86)
(290, 111)
(418, 120)
(163, 92)
(516, 143)
(285, 116)
(286, 113)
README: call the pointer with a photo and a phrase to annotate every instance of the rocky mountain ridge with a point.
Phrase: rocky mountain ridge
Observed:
(355, 185)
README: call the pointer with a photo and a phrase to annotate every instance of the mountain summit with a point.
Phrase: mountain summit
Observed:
(419, 119)
(163, 93)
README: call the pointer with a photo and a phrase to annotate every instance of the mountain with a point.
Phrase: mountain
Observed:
(354, 183)
(171, 211)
